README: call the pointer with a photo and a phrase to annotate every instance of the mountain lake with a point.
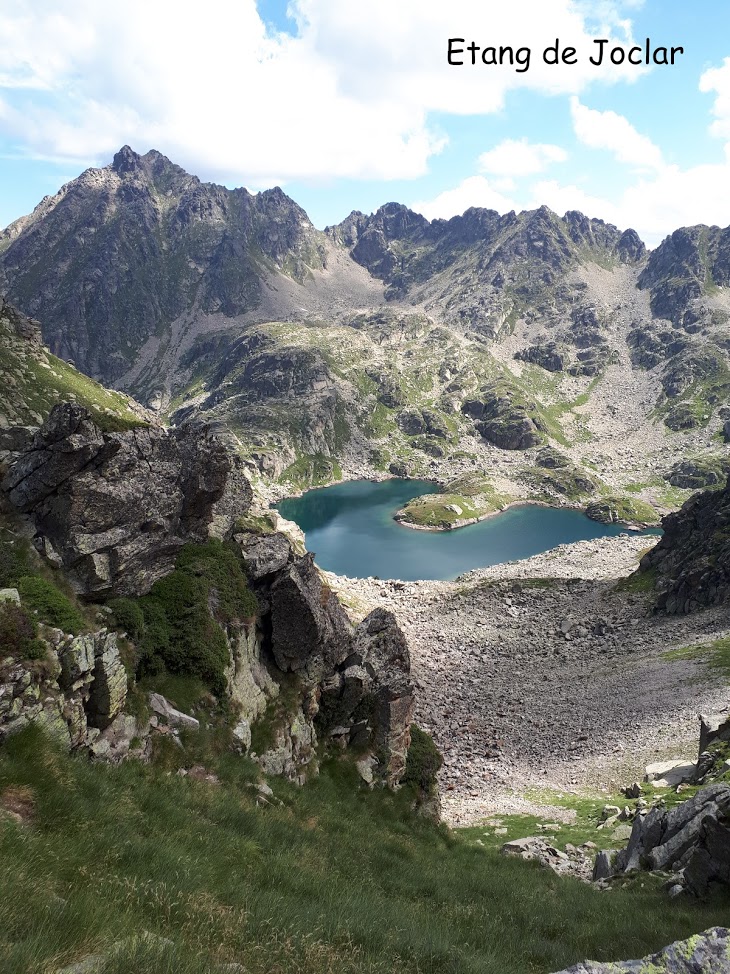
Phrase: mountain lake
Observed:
(351, 530)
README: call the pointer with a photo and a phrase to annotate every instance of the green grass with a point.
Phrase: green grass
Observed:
(179, 626)
(335, 879)
(639, 581)
(50, 604)
(672, 497)
(472, 494)
(716, 654)
(255, 524)
(37, 388)
(310, 470)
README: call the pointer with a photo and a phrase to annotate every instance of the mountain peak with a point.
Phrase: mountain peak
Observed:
(126, 160)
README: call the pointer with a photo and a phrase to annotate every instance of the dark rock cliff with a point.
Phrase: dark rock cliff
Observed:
(692, 559)
(117, 507)
(684, 268)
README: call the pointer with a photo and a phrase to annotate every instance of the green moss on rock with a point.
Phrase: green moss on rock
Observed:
(622, 510)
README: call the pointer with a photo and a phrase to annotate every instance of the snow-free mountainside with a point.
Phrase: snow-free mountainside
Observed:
(214, 755)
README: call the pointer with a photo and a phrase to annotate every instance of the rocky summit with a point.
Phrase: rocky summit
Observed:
(217, 734)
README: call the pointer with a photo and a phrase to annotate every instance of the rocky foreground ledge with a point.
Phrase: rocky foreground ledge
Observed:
(707, 953)
(114, 510)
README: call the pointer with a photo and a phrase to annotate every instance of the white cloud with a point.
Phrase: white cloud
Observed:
(654, 205)
(718, 80)
(474, 191)
(349, 95)
(520, 158)
(608, 130)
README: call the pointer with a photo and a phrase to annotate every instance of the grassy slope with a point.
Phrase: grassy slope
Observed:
(473, 494)
(31, 389)
(332, 880)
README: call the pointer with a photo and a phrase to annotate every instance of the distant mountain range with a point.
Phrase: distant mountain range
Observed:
(318, 347)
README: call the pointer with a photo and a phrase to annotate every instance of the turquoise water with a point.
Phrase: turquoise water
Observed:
(351, 530)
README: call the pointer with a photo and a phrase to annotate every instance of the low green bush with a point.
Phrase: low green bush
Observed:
(51, 605)
(128, 616)
(19, 633)
(179, 626)
(423, 762)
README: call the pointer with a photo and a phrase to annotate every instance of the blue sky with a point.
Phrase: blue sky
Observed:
(349, 105)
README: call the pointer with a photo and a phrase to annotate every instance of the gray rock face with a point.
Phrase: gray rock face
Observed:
(404, 250)
(80, 692)
(293, 754)
(549, 356)
(271, 388)
(700, 472)
(692, 559)
(369, 700)
(117, 507)
(679, 269)
(708, 953)
(691, 839)
(503, 421)
(264, 554)
(310, 631)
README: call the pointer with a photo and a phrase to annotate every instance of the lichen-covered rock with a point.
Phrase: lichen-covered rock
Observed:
(699, 472)
(708, 953)
(264, 554)
(293, 754)
(108, 691)
(81, 687)
(250, 685)
(117, 507)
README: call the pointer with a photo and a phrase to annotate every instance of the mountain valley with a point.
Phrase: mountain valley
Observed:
(177, 357)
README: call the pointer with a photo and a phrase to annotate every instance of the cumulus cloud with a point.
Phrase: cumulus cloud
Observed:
(520, 158)
(350, 93)
(609, 130)
(653, 204)
(717, 80)
(474, 191)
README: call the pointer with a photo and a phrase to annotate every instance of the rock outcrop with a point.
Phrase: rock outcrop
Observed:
(370, 698)
(77, 692)
(683, 269)
(692, 559)
(505, 420)
(117, 507)
(708, 952)
(353, 685)
(690, 840)
(115, 510)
